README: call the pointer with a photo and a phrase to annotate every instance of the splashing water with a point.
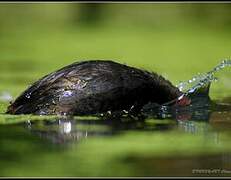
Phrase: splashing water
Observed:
(201, 81)
(197, 89)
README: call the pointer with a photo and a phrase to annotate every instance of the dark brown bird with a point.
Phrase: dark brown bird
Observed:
(92, 87)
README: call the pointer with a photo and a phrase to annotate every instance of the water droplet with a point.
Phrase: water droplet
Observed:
(179, 98)
(28, 95)
(53, 101)
(67, 93)
(126, 112)
(201, 80)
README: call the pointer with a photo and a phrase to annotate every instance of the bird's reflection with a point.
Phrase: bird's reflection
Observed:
(193, 119)
(66, 130)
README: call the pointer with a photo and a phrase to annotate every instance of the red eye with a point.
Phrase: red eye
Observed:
(183, 101)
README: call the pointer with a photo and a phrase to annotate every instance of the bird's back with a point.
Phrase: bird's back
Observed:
(91, 87)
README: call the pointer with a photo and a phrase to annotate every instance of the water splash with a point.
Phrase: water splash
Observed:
(197, 90)
(202, 80)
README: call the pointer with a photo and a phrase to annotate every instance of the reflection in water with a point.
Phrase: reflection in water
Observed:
(208, 128)
(199, 109)
(206, 121)
(58, 131)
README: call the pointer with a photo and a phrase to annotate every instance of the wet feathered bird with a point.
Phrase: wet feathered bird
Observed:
(92, 87)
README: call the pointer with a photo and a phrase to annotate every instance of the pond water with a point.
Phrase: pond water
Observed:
(36, 39)
(189, 141)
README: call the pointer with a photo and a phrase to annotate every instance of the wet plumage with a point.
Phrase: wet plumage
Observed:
(92, 87)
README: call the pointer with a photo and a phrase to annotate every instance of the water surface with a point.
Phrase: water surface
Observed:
(190, 141)
(190, 144)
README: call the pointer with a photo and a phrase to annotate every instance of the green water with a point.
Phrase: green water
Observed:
(89, 146)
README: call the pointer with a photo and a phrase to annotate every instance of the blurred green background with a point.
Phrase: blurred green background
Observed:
(177, 40)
